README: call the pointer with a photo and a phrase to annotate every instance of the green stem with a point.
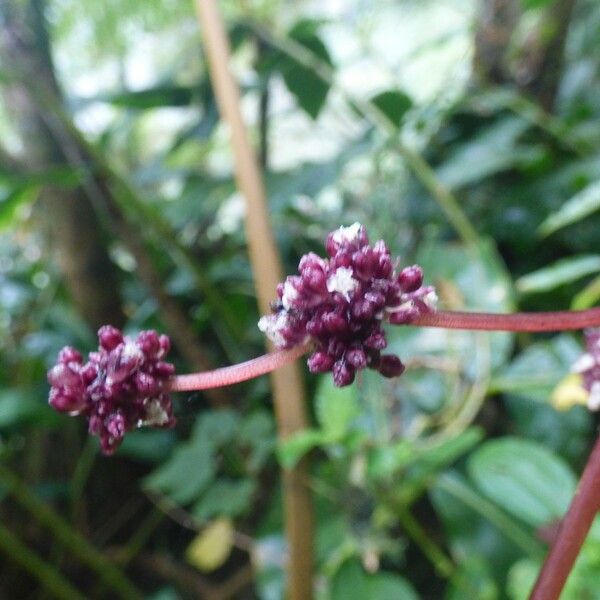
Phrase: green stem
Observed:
(63, 533)
(51, 580)
(442, 563)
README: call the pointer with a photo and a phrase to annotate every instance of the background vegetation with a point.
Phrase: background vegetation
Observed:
(466, 134)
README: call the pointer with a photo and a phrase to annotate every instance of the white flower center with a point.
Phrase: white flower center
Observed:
(583, 363)
(342, 281)
(346, 234)
(593, 402)
(272, 325)
(290, 293)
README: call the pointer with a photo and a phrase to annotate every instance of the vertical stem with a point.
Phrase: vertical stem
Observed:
(64, 534)
(287, 386)
(49, 578)
(572, 533)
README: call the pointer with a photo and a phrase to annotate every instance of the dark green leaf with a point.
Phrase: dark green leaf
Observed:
(581, 205)
(394, 104)
(225, 498)
(523, 477)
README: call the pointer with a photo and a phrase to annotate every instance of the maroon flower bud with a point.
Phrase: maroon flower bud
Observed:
(390, 365)
(320, 362)
(411, 278)
(120, 388)
(339, 304)
(109, 337)
(343, 374)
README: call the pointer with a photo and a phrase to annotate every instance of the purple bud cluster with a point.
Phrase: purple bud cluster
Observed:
(588, 365)
(339, 304)
(120, 388)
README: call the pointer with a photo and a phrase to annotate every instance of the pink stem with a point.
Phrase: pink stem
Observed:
(236, 373)
(532, 322)
(572, 533)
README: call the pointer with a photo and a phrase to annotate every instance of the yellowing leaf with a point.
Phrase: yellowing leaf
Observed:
(212, 546)
(569, 392)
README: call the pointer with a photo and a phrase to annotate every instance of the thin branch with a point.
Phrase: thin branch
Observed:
(288, 393)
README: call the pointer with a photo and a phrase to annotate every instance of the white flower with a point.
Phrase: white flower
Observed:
(583, 363)
(342, 281)
(290, 293)
(346, 234)
(272, 325)
(593, 402)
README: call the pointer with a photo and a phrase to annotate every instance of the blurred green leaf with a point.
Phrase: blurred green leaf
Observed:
(523, 477)
(15, 200)
(290, 451)
(529, 4)
(351, 582)
(537, 370)
(304, 84)
(336, 408)
(562, 271)
(225, 497)
(394, 104)
(473, 579)
(187, 473)
(588, 296)
(154, 97)
(581, 205)
(492, 150)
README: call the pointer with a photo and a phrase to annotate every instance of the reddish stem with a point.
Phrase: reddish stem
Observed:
(236, 373)
(572, 533)
(532, 322)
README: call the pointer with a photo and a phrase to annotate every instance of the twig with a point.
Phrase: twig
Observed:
(288, 394)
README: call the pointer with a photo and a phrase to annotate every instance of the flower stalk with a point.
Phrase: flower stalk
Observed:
(572, 533)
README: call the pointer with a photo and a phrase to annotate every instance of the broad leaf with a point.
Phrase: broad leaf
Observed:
(525, 478)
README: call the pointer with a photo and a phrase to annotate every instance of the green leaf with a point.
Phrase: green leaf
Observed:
(394, 104)
(562, 271)
(523, 477)
(225, 497)
(492, 151)
(185, 475)
(19, 407)
(537, 370)
(351, 582)
(154, 97)
(532, 4)
(588, 296)
(309, 89)
(13, 201)
(579, 206)
(473, 579)
(293, 449)
(336, 408)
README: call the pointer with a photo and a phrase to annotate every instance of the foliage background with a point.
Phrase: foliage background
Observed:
(467, 135)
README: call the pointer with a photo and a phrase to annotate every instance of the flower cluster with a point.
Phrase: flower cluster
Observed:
(588, 365)
(120, 388)
(339, 305)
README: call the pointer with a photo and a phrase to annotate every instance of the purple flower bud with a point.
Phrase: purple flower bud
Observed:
(343, 374)
(390, 365)
(320, 362)
(69, 354)
(339, 304)
(119, 389)
(356, 358)
(411, 278)
(109, 337)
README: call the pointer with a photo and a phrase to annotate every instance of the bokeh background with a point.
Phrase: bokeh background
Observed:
(466, 134)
